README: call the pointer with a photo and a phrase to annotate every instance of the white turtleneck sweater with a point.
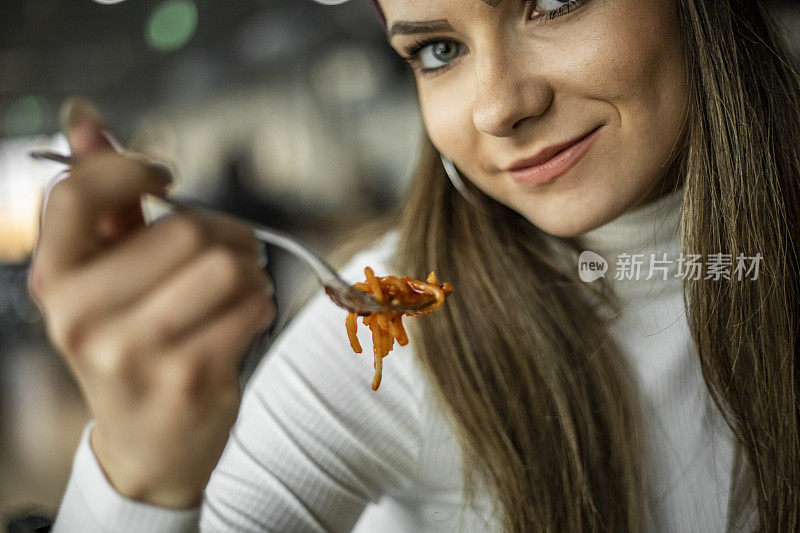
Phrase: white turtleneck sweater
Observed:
(691, 448)
(315, 449)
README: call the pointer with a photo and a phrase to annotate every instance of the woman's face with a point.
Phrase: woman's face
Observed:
(499, 81)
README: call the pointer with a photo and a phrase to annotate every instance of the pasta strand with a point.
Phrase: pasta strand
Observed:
(387, 327)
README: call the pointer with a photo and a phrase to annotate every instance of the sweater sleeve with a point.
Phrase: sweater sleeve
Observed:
(313, 444)
(90, 503)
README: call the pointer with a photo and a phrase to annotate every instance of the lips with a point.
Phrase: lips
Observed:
(552, 161)
(547, 154)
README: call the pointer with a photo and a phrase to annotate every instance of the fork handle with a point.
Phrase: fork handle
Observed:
(326, 275)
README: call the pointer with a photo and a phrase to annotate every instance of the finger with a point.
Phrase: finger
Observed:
(148, 258)
(77, 109)
(86, 138)
(220, 344)
(117, 224)
(228, 230)
(98, 185)
(83, 125)
(87, 133)
(192, 295)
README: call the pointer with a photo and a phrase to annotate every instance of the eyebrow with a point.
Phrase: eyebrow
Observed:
(408, 27)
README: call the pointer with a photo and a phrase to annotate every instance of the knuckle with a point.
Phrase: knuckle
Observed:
(65, 333)
(186, 378)
(64, 327)
(190, 233)
(226, 268)
(163, 330)
(109, 353)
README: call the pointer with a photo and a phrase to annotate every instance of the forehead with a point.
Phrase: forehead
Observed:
(394, 8)
(422, 3)
(392, 11)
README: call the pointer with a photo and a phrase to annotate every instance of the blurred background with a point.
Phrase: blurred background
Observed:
(286, 112)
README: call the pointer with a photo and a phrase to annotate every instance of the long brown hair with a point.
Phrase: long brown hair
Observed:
(546, 411)
(538, 392)
(743, 196)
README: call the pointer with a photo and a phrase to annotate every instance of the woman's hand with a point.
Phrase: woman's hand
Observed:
(152, 320)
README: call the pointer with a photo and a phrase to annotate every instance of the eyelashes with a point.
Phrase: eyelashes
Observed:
(413, 51)
(555, 12)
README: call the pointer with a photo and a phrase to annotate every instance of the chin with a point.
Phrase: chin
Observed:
(565, 231)
(569, 218)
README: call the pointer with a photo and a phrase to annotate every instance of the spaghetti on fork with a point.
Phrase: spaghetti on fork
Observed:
(387, 326)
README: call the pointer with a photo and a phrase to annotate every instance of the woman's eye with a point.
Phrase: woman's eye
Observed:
(550, 5)
(435, 54)
(553, 8)
(438, 54)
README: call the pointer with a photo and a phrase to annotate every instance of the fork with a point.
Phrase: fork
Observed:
(342, 293)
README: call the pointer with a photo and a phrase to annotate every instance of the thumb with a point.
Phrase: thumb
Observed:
(84, 127)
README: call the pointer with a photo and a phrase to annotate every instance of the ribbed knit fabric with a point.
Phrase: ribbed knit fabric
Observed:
(315, 449)
(691, 448)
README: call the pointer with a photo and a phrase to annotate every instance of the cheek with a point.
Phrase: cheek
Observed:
(636, 64)
(446, 110)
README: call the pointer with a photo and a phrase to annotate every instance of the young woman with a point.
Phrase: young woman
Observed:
(533, 400)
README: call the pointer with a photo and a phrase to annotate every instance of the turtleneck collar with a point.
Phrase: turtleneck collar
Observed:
(645, 230)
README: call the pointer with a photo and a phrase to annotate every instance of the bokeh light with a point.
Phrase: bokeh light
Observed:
(171, 25)
(25, 116)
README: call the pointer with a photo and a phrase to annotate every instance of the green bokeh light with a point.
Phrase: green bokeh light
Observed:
(172, 24)
(25, 116)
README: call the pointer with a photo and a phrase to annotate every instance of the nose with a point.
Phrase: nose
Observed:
(509, 90)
